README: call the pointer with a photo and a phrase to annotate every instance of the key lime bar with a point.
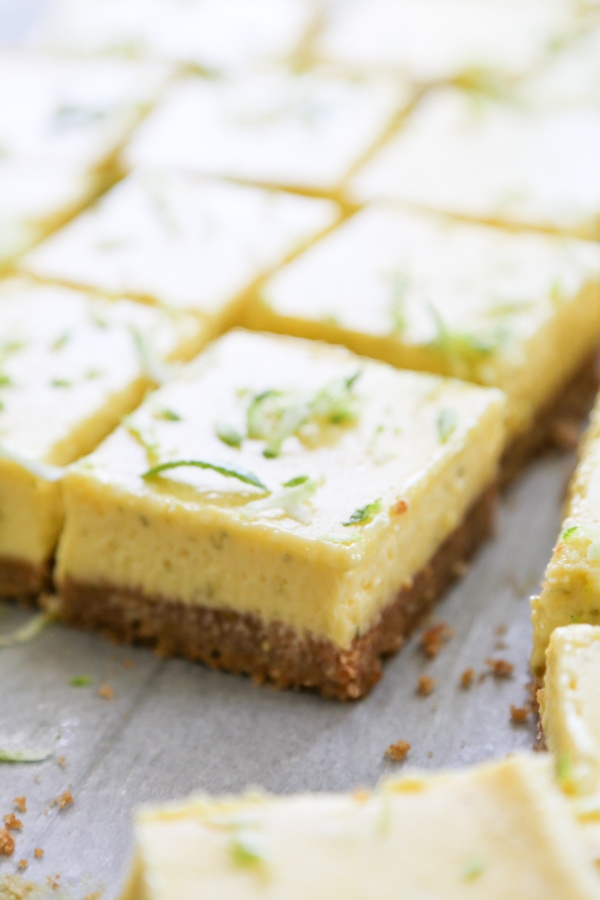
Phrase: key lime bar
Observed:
(182, 242)
(292, 518)
(500, 830)
(520, 312)
(70, 369)
(37, 199)
(514, 162)
(432, 39)
(304, 131)
(571, 590)
(228, 34)
(74, 112)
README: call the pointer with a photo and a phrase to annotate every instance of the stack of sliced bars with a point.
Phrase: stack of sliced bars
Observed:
(287, 299)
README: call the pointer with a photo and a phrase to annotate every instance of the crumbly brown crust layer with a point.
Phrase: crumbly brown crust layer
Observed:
(274, 652)
(558, 424)
(22, 580)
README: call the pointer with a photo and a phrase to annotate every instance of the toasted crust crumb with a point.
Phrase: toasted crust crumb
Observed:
(22, 864)
(64, 800)
(7, 843)
(425, 685)
(467, 678)
(62, 762)
(399, 508)
(434, 639)
(500, 668)
(53, 881)
(398, 751)
(38, 852)
(12, 823)
(519, 714)
(106, 692)
(21, 804)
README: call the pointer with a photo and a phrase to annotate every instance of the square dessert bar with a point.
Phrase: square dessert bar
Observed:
(499, 830)
(221, 35)
(517, 311)
(298, 130)
(295, 514)
(37, 199)
(182, 242)
(69, 111)
(70, 369)
(571, 590)
(518, 162)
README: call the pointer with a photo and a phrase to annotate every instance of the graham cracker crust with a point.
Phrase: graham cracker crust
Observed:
(274, 652)
(23, 581)
(558, 424)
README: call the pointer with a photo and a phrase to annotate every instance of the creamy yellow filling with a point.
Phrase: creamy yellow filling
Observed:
(66, 380)
(197, 537)
(571, 589)
(183, 242)
(520, 312)
(499, 830)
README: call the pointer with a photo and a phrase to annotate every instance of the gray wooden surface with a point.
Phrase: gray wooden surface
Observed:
(174, 727)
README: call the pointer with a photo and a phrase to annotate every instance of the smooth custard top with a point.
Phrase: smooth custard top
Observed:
(497, 831)
(180, 241)
(65, 356)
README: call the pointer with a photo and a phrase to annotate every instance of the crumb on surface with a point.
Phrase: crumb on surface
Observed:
(500, 630)
(12, 823)
(425, 685)
(519, 714)
(63, 800)
(467, 678)
(398, 751)
(62, 762)
(7, 843)
(22, 864)
(500, 668)
(21, 804)
(434, 638)
(399, 508)
(38, 852)
(106, 692)
(54, 881)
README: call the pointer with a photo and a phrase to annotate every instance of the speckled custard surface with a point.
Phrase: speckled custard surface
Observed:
(181, 241)
(519, 161)
(75, 112)
(571, 590)
(229, 34)
(302, 130)
(499, 830)
(352, 475)
(70, 368)
(520, 312)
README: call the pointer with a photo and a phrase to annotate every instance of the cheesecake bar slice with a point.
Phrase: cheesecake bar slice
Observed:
(496, 831)
(293, 518)
(516, 162)
(73, 112)
(571, 590)
(223, 35)
(37, 199)
(181, 241)
(304, 131)
(517, 311)
(70, 369)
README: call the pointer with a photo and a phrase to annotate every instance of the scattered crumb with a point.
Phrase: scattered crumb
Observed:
(64, 800)
(425, 685)
(22, 864)
(21, 804)
(398, 751)
(500, 645)
(38, 852)
(430, 754)
(467, 678)
(106, 692)
(62, 762)
(12, 823)
(500, 668)
(95, 896)
(399, 508)
(53, 881)
(7, 843)
(434, 639)
(519, 714)
(500, 630)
